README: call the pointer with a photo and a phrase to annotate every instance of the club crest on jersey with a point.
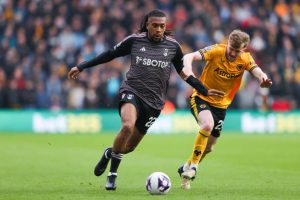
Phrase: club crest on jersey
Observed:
(239, 67)
(202, 106)
(166, 52)
(143, 49)
(129, 96)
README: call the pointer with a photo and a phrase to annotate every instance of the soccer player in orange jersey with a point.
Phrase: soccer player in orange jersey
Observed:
(225, 65)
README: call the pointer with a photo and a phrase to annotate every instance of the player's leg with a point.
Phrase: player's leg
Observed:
(128, 114)
(219, 117)
(137, 118)
(212, 140)
(146, 118)
(202, 113)
(133, 141)
(106, 156)
(205, 121)
(206, 124)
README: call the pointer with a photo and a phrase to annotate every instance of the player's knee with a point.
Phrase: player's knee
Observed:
(207, 126)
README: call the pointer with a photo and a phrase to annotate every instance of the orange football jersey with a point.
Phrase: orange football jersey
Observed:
(222, 74)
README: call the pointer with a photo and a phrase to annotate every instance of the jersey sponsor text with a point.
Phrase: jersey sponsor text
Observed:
(226, 74)
(151, 62)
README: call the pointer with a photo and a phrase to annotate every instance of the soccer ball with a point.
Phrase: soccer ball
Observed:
(158, 183)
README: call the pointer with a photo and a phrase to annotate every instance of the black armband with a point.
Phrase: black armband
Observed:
(195, 83)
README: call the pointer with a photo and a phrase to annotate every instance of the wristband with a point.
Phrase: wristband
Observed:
(195, 83)
(81, 66)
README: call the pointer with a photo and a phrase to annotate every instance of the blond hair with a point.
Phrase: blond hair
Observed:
(239, 39)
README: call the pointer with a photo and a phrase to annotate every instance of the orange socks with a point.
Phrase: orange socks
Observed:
(199, 147)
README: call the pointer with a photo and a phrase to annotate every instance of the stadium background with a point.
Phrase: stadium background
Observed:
(41, 40)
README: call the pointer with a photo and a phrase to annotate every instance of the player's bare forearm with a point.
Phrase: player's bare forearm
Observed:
(187, 64)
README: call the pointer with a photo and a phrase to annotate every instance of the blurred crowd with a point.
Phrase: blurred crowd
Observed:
(40, 40)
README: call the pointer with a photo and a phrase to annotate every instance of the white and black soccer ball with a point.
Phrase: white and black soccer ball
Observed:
(158, 183)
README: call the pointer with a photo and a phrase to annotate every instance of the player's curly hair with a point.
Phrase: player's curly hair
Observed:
(153, 13)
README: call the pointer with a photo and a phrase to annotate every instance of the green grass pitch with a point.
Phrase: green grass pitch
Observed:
(60, 167)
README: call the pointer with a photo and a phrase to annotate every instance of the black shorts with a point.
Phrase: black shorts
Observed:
(198, 105)
(146, 115)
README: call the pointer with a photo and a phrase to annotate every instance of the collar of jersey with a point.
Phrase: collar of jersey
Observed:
(163, 39)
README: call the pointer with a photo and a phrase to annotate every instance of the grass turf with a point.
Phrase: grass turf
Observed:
(248, 167)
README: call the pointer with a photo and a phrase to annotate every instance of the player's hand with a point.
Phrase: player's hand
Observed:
(73, 73)
(214, 92)
(266, 83)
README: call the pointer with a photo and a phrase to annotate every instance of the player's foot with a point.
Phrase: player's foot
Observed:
(189, 173)
(186, 178)
(102, 164)
(185, 183)
(111, 182)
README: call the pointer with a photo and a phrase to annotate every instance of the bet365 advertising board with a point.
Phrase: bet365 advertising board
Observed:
(108, 121)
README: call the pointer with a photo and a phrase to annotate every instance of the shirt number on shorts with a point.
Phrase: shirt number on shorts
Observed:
(150, 122)
(219, 126)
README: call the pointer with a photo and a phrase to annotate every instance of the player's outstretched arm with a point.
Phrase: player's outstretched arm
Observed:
(188, 75)
(265, 82)
(121, 49)
(188, 61)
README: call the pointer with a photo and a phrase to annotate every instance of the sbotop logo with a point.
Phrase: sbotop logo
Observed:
(151, 62)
